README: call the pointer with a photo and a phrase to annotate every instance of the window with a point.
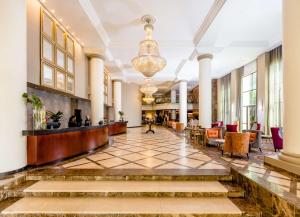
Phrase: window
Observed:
(248, 100)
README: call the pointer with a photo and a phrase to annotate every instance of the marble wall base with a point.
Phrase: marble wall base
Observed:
(272, 201)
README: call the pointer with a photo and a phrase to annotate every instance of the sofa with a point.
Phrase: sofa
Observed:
(236, 143)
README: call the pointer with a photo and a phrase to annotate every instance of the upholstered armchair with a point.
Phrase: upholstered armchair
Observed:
(236, 143)
(277, 138)
(212, 134)
(255, 138)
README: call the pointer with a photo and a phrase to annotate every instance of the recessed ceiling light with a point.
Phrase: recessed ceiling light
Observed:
(60, 19)
(52, 11)
(43, 1)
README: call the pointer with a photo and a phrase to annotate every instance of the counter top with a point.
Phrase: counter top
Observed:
(65, 130)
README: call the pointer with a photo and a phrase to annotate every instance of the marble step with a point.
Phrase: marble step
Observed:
(36, 206)
(112, 175)
(128, 189)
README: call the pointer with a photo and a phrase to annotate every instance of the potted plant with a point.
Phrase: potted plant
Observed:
(55, 117)
(121, 116)
(38, 110)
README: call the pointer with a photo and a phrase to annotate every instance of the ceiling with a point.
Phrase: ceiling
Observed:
(234, 31)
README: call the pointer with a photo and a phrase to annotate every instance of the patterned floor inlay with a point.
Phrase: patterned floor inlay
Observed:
(137, 150)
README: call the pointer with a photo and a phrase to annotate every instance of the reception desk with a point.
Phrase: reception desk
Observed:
(117, 128)
(45, 146)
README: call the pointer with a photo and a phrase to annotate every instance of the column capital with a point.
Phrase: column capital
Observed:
(205, 56)
(96, 55)
(182, 80)
(117, 80)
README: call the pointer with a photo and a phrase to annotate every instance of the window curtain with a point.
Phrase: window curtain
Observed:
(239, 93)
(275, 89)
(225, 99)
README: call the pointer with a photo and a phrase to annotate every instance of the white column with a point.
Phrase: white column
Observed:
(97, 88)
(173, 96)
(205, 106)
(291, 66)
(117, 98)
(173, 101)
(13, 70)
(183, 102)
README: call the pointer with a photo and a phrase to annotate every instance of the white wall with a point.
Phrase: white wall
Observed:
(13, 70)
(132, 104)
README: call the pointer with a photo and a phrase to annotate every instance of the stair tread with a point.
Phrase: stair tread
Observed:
(127, 186)
(123, 206)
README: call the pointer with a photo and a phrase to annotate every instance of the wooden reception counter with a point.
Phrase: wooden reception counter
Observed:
(45, 146)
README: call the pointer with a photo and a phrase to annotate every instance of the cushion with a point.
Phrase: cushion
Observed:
(231, 127)
(212, 133)
(253, 137)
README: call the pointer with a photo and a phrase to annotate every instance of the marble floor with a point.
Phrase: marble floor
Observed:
(140, 154)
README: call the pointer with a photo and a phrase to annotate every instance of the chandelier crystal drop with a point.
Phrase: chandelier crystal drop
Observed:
(148, 61)
(148, 99)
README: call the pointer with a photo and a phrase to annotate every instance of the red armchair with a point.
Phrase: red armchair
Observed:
(277, 138)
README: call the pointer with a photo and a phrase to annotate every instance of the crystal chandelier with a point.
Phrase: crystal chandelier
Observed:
(148, 99)
(148, 61)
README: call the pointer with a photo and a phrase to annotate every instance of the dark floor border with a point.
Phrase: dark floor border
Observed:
(10, 174)
(135, 126)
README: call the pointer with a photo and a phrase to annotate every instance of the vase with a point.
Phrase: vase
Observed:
(39, 118)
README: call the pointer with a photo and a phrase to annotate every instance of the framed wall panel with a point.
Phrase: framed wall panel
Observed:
(60, 59)
(70, 46)
(60, 37)
(47, 50)
(47, 78)
(70, 65)
(47, 25)
(60, 80)
(70, 84)
(57, 55)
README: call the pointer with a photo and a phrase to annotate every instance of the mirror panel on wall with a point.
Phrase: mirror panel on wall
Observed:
(70, 84)
(47, 50)
(60, 80)
(57, 55)
(47, 75)
(47, 26)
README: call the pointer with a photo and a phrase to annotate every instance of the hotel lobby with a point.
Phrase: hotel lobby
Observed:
(135, 108)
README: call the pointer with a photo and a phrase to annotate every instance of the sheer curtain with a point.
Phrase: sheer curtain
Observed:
(275, 89)
(225, 95)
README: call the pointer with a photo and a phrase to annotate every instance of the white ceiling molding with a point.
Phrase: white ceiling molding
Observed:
(179, 67)
(213, 12)
(95, 20)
